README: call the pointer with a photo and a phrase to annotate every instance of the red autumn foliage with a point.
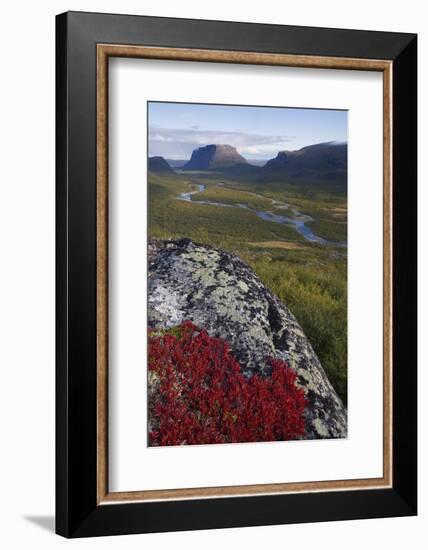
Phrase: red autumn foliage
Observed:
(201, 395)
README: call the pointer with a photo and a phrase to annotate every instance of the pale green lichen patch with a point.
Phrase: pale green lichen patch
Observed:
(320, 427)
(243, 286)
(308, 377)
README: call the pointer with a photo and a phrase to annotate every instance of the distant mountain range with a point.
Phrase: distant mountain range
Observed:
(179, 163)
(320, 161)
(327, 159)
(159, 164)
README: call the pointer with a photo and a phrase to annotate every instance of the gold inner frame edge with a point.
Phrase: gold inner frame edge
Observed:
(104, 51)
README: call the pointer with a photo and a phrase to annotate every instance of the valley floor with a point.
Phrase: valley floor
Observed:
(310, 278)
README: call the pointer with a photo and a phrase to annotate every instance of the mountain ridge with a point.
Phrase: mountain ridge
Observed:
(324, 161)
(327, 158)
(214, 156)
(160, 165)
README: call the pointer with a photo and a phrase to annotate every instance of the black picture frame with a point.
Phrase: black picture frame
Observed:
(77, 511)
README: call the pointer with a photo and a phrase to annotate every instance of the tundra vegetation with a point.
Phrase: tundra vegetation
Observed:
(311, 279)
(205, 398)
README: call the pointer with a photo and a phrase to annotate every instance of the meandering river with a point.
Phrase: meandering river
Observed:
(298, 222)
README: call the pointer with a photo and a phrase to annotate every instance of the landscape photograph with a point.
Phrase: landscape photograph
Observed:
(247, 273)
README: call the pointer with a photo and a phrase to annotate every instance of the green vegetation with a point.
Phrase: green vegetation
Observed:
(312, 283)
(309, 278)
(234, 196)
(330, 230)
(220, 226)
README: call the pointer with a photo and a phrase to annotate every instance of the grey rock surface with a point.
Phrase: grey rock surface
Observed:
(217, 291)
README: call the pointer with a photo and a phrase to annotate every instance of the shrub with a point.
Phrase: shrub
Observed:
(198, 393)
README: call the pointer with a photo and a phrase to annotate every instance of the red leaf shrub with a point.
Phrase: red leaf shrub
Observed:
(198, 393)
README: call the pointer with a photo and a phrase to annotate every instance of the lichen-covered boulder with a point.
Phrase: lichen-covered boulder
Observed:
(217, 291)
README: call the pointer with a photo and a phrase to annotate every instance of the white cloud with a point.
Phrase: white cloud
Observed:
(179, 143)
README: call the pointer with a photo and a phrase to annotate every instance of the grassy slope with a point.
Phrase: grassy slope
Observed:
(310, 279)
(312, 283)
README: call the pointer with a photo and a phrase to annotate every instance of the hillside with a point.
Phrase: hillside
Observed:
(323, 160)
(159, 165)
(221, 294)
(311, 279)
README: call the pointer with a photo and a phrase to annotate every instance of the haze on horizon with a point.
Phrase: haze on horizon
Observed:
(258, 133)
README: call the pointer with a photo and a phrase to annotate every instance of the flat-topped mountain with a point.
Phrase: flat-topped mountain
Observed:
(159, 164)
(212, 157)
(322, 160)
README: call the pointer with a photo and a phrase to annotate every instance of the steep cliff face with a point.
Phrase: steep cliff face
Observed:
(211, 157)
(219, 292)
(321, 160)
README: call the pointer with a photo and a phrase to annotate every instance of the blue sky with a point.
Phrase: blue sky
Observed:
(175, 129)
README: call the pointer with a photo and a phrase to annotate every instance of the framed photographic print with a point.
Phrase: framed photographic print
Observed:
(236, 274)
